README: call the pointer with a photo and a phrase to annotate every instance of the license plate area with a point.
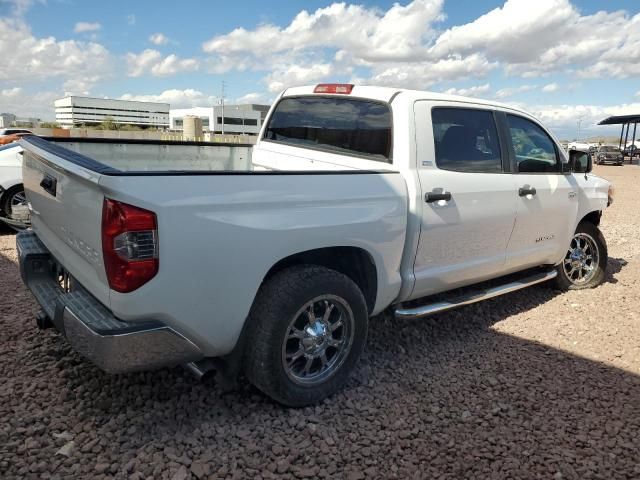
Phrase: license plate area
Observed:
(63, 280)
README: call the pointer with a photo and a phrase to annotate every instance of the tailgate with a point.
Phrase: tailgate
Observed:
(66, 211)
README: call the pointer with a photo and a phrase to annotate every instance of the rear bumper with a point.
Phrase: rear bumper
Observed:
(113, 345)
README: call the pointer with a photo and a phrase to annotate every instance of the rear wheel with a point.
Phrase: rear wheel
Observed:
(308, 327)
(585, 263)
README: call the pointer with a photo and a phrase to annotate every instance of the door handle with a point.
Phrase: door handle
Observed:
(435, 197)
(526, 190)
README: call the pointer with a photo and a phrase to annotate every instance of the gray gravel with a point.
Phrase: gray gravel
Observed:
(532, 385)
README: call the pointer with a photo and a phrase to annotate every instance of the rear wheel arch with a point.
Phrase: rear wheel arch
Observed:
(354, 262)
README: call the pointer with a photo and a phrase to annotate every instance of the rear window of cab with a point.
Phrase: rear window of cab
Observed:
(340, 125)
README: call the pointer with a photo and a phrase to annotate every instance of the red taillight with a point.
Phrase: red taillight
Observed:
(129, 245)
(344, 88)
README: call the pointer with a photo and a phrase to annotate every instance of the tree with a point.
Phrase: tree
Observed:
(107, 124)
(49, 125)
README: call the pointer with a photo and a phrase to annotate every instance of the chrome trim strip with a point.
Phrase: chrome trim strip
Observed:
(429, 309)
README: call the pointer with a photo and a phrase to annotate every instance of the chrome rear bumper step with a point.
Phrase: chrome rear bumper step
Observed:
(475, 296)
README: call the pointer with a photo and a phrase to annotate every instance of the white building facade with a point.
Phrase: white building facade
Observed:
(75, 111)
(238, 119)
(7, 120)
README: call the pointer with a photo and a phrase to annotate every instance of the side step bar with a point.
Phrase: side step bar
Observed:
(475, 296)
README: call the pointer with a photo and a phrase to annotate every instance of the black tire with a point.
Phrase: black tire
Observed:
(7, 198)
(564, 282)
(274, 315)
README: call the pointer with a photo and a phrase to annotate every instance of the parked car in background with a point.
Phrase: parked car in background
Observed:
(356, 199)
(609, 154)
(13, 203)
(631, 151)
(12, 131)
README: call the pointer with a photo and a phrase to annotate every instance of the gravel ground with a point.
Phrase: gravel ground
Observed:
(535, 384)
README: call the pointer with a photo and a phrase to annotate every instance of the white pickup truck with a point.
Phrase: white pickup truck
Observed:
(356, 199)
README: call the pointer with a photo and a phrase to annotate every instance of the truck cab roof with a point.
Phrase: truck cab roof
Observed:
(388, 94)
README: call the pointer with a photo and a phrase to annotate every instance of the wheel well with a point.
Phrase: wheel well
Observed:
(592, 217)
(353, 262)
(7, 191)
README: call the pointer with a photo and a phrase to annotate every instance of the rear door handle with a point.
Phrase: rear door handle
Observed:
(526, 190)
(435, 197)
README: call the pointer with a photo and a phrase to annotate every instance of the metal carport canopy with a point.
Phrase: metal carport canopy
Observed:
(624, 120)
(620, 119)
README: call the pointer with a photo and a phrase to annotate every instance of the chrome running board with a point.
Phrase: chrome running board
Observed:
(475, 296)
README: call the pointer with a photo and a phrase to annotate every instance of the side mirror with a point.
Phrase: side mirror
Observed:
(580, 162)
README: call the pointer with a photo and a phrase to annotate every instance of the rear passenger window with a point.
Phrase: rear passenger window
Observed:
(466, 140)
(534, 150)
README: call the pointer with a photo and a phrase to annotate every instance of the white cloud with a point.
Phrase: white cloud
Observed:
(519, 31)
(563, 118)
(295, 75)
(475, 91)
(423, 75)
(39, 104)
(29, 59)
(366, 33)
(82, 27)
(159, 39)
(511, 91)
(152, 61)
(398, 46)
(177, 98)
(551, 88)
(254, 97)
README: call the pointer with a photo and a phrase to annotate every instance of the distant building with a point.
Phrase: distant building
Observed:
(238, 119)
(263, 109)
(28, 122)
(10, 120)
(7, 119)
(75, 111)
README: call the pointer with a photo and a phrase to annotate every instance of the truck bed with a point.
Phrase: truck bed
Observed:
(220, 230)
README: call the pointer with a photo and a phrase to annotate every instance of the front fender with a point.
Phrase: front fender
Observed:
(594, 195)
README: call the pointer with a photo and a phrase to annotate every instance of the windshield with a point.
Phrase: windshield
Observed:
(608, 149)
(336, 124)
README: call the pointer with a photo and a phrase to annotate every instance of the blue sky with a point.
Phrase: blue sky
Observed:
(562, 59)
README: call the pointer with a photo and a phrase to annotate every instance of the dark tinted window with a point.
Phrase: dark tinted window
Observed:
(466, 140)
(534, 150)
(238, 121)
(340, 125)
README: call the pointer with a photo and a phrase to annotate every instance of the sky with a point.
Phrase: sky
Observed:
(569, 62)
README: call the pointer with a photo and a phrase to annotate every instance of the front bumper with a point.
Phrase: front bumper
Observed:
(113, 345)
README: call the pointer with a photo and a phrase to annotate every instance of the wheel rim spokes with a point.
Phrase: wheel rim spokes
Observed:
(19, 199)
(581, 259)
(318, 340)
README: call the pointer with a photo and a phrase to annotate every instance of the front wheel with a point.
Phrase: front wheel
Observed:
(307, 329)
(585, 263)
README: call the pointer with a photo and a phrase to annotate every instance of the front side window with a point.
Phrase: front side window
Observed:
(466, 140)
(534, 150)
(336, 124)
